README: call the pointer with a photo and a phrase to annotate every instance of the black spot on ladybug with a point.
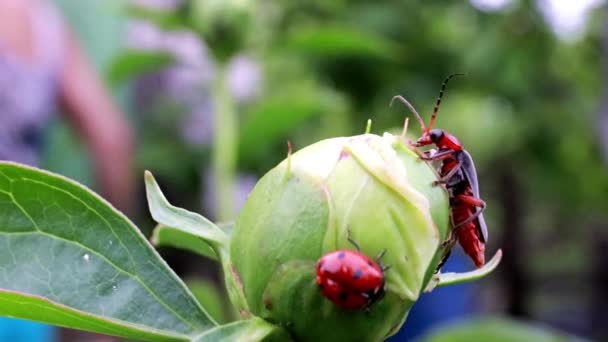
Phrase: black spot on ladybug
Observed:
(343, 296)
(358, 273)
(341, 255)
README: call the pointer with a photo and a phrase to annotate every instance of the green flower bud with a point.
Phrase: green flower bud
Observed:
(373, 187)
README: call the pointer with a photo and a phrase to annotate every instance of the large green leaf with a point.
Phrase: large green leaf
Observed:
(251, 330)
(84, 265)
(20, 305)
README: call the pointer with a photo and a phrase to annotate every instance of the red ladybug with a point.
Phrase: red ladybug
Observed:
(350, 279)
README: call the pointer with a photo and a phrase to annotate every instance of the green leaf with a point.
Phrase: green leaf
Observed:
(251, 330)
(339, 41)
(213, 297)
(164, 236)
(165, 19)
(267, 124)
(452, 278)
(496, 330)
(194, 225)
(190, 223)
(131, 63)
(67, 251)
(19, 305)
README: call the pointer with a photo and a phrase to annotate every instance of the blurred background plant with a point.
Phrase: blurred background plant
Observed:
(216, 88)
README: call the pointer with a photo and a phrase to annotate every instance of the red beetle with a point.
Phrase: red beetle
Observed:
(350, 279)
(458, 173)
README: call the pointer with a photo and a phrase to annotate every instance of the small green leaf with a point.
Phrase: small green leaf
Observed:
(451, 278)
(251, 330)
(67, 251)
(194, 225)
(164, 236)
(178, 218)
(131, 63)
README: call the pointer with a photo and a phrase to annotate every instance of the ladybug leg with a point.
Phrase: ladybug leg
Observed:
(472, 201)
(349, 238)
(380, 255)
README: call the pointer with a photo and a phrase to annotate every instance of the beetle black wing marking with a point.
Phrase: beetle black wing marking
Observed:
(468, 168)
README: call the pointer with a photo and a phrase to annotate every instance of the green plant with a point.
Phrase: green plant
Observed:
(68, 258)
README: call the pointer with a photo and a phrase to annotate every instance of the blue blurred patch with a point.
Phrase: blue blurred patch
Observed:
(442, 305)
(15, 330)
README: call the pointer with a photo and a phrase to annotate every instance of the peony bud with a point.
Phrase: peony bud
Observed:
(374, 188)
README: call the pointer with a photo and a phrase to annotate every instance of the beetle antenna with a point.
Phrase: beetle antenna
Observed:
(405, 125)
(436, 109)
(411, 108)
(349, 238)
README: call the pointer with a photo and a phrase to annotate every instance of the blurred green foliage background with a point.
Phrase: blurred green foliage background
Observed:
(529, 111)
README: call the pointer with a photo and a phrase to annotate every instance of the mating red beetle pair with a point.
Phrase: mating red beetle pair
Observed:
(457, 172)
(352, 280)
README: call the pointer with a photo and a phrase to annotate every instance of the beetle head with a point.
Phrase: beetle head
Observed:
(432, 136)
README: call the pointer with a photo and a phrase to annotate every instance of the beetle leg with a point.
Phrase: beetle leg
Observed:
(439, 155)
(473, 201)
(447, 244)
(446, 178)
(450, 240)
(444, 258)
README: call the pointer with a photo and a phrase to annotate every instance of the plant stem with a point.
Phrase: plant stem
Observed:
(234, 286)
(224, 149)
